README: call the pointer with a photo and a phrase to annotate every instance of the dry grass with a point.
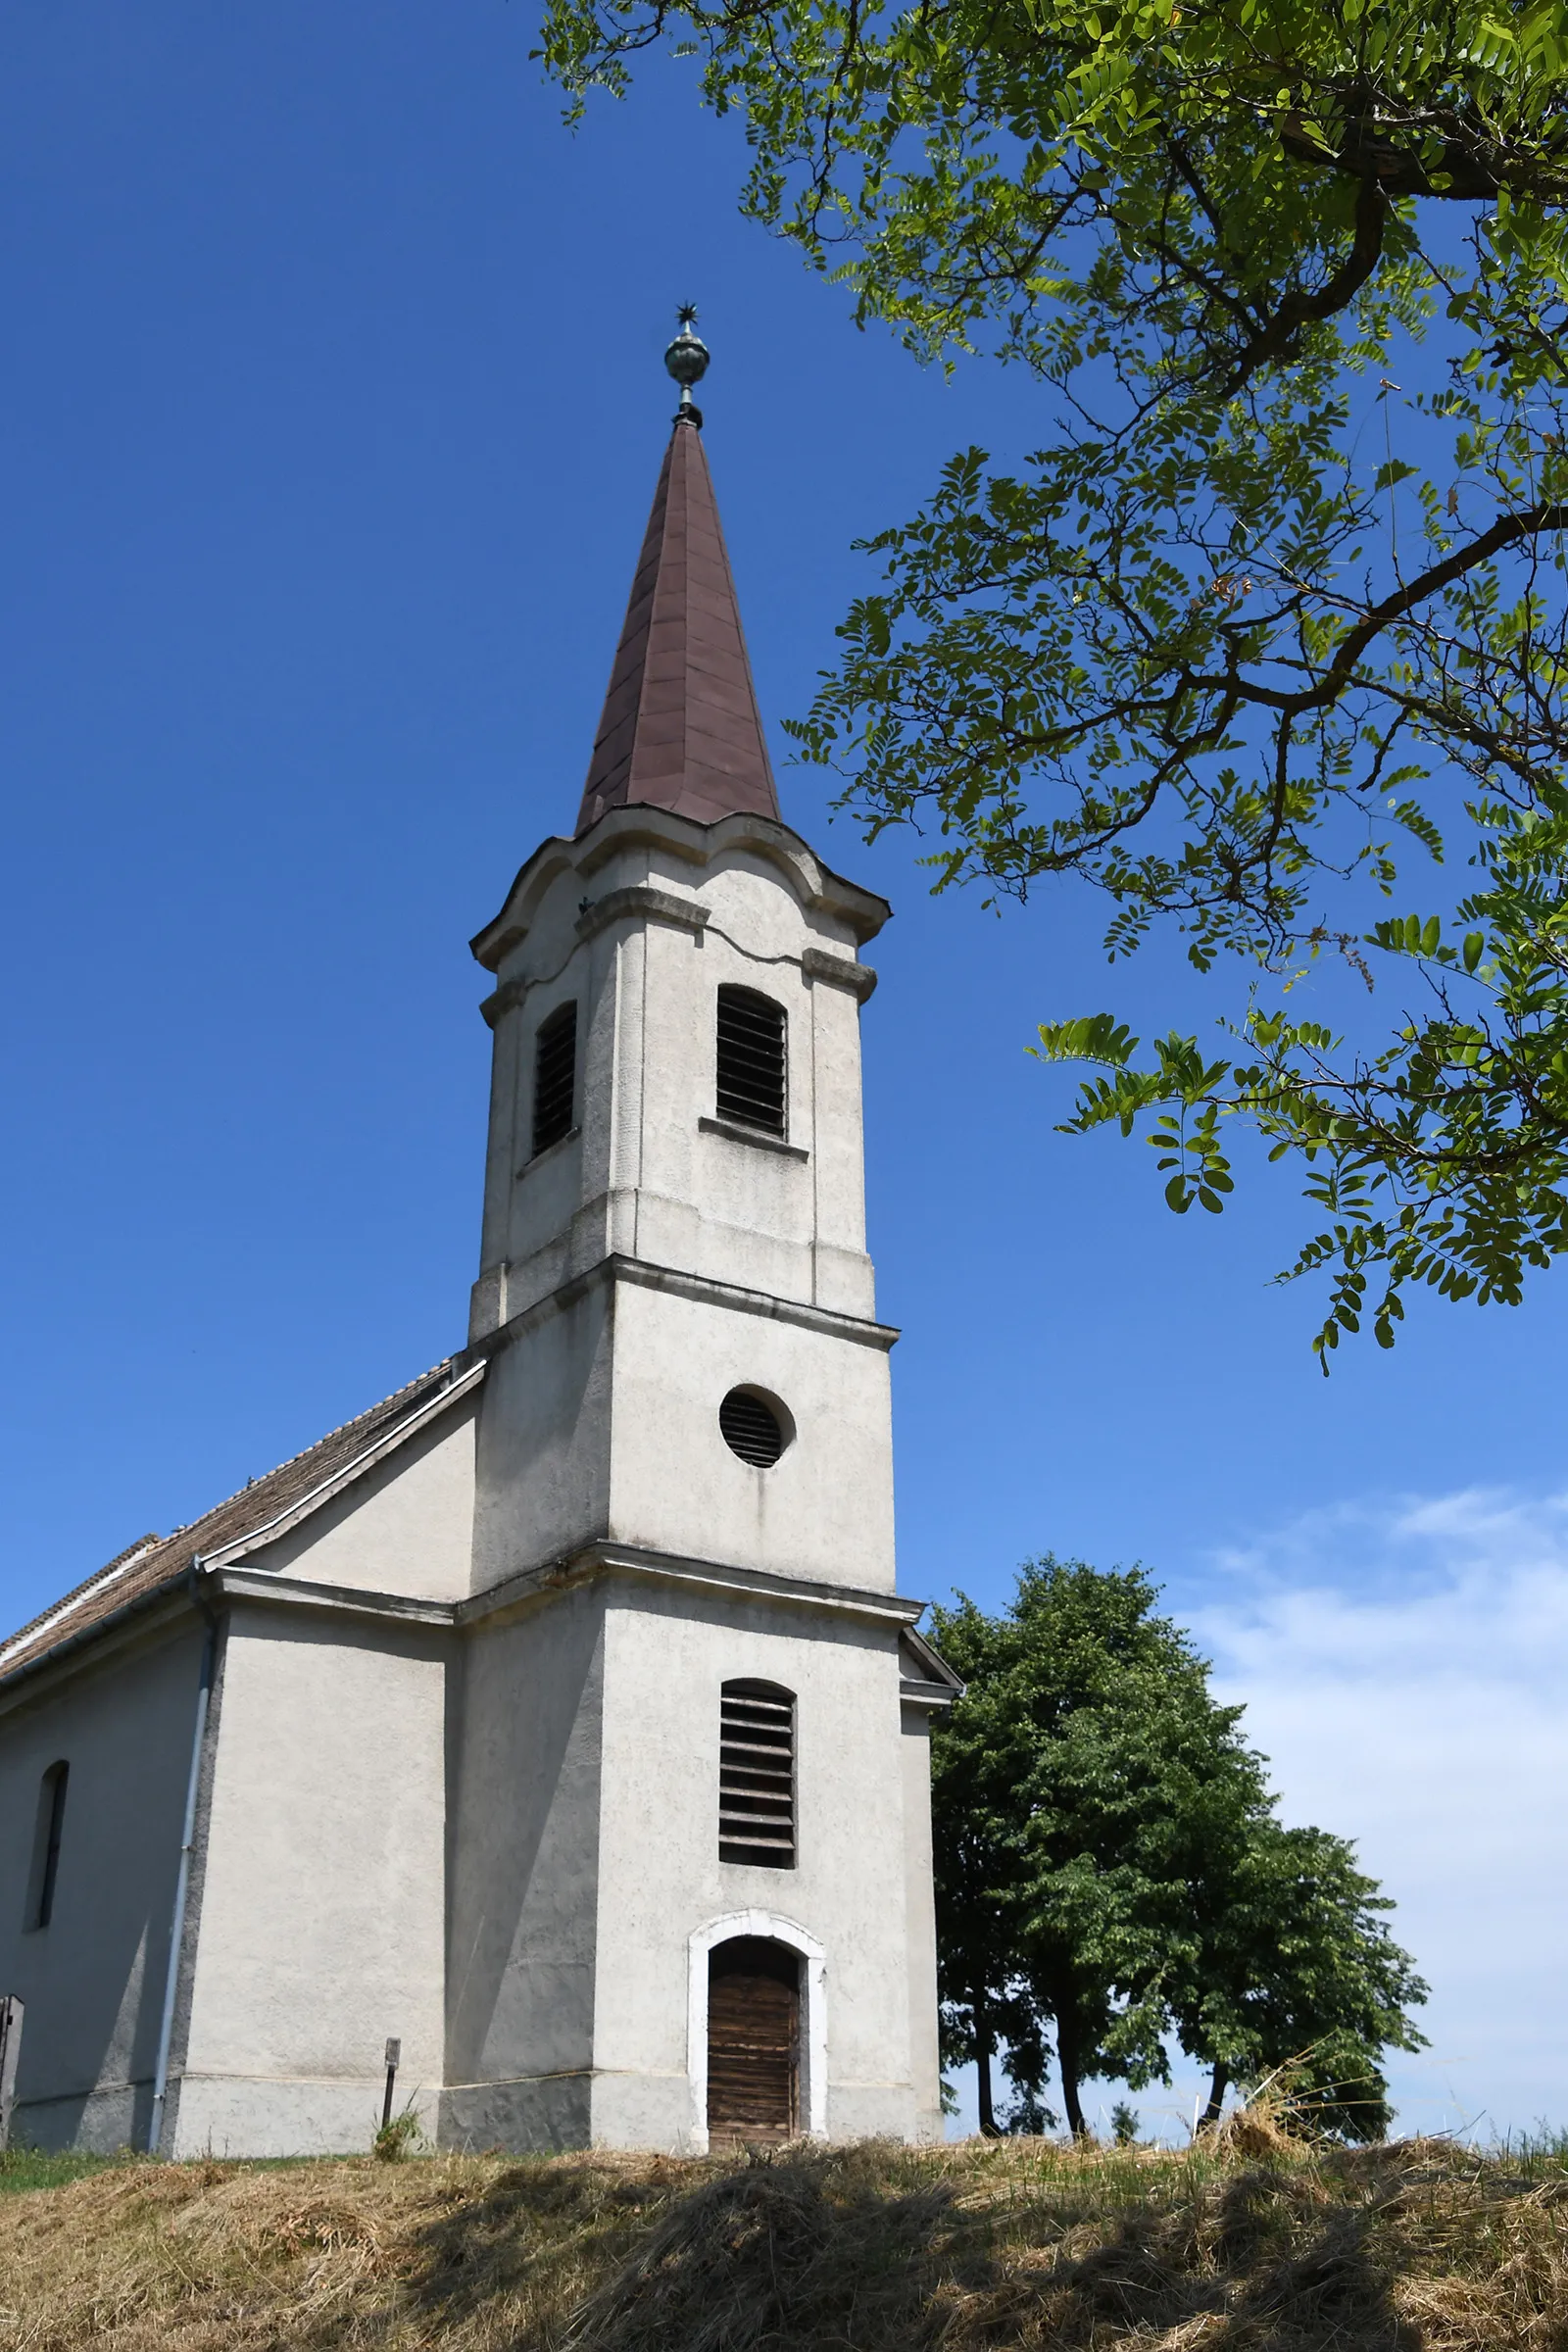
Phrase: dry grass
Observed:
(1268, 2247)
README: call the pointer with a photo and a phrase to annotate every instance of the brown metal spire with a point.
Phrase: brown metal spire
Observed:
(680, 727)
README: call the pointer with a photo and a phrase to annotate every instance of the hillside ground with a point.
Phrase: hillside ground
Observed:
(1016, 2246)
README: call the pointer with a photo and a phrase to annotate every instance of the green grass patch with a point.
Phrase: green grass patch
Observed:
(33, 2168)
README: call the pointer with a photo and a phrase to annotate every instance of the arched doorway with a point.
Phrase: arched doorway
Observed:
(754, 2043)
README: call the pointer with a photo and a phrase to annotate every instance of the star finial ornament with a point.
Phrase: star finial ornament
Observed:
(687, 362)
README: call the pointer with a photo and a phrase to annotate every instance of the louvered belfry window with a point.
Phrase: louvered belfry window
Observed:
(555, 1079)
(750, 1060)
(756, 1774)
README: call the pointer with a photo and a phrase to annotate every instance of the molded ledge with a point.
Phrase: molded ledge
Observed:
(641, 899)
(758, 1137)
(839, 972)
(505, 1000)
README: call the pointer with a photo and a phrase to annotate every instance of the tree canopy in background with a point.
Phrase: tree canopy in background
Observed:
(1276, 609)
(1111, 1876)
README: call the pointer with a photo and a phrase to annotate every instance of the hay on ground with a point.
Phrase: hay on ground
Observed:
(1023, 2246)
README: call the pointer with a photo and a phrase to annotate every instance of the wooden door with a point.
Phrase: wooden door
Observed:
(754, 2031)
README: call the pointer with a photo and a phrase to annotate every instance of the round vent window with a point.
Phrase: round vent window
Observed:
(753, 1428)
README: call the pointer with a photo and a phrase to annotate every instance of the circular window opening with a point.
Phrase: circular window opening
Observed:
(754, 1427)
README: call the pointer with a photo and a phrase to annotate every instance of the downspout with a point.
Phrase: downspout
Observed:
(177, 1932)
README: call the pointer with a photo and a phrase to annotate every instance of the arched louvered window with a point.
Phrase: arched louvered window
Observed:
(750, 1060)
(756, 1774)
(555, 1079)
(46, 1845)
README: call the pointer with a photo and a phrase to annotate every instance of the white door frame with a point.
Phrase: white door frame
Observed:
(813, 2025)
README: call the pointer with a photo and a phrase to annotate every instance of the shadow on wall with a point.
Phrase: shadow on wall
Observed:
(92, 1976)
(524, 1857)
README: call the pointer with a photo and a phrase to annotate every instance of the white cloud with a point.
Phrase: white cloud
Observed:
(1404, 1667)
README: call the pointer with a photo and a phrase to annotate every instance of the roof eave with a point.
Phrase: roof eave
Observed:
(358, 1466)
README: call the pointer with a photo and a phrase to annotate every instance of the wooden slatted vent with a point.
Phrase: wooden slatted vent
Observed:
(555, 1079)
(752, 1428)
(756, 1774)
(750, 1060)
(753, 2026)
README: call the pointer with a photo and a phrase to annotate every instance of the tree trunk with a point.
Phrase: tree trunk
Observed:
(1067, 2068)
(1208, 2120)
(982, 2067)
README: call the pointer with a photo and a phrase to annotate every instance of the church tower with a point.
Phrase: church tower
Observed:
(692, 1883)
(552, 1734)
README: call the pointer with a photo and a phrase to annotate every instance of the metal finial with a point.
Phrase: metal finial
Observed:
(687, 362)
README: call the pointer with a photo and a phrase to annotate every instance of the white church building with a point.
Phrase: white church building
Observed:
(558, 1718)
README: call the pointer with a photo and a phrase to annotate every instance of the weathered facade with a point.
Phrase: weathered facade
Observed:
(558, 1717)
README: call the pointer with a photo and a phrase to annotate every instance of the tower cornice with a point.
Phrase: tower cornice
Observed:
(862, 912)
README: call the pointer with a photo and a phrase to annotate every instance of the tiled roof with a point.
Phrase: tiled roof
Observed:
(156, 1562)
(680, 727)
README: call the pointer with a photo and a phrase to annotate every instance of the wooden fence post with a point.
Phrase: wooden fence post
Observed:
(10, 2052)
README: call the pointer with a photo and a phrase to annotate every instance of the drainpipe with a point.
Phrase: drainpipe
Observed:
(177, 1932)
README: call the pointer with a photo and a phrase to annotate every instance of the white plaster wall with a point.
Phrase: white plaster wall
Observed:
(842, 1277)
(545, 1439)
(406, 1527)
(553, 1220)
(93, 1980)
(661, 1879)
(824, 1511)
(322, 1916)
(524, 1879)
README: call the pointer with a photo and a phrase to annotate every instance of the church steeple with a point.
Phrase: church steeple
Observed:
(680, 727)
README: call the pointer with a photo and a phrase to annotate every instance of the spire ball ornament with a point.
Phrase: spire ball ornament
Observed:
(687, 362)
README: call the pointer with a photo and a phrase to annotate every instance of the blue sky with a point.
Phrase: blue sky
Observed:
(330, 415)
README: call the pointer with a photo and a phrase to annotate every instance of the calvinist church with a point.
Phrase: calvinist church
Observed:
(556, 1719)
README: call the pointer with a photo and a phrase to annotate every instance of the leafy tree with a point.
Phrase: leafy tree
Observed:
(981, 1756)
(1297, 1976)
(1080, 1788)
(1109, 1872)
(1254, 624)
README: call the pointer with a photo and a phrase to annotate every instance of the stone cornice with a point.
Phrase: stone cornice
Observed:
(238, 1588)
(818, 887)
(680, 1284)
(276, 1591)
(603, 1558)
